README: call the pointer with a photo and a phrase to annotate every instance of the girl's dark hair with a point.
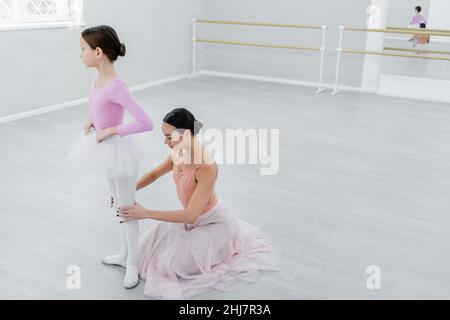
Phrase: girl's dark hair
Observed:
(419, 9)
(182, 118)
(106, 38)
(423, 25)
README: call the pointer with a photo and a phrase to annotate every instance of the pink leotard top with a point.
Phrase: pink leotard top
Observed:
(417, 20)
(186, 184)
(107, 107)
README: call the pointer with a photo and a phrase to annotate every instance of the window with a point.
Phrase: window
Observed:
(24, 14)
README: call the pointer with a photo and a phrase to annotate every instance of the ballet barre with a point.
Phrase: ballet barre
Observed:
(261, 45)
(417, 50)
(409, 31)
(260, 24)
(418, 29)
(382, 53)
(320, 49)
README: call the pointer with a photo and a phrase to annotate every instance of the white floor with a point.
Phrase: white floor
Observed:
(364, 180)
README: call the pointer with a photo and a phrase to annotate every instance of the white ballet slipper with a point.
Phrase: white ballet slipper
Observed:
(116, 260)
(131, 277)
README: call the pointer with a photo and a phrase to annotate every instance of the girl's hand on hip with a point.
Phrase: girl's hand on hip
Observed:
(88, 127)
(136, 212)
(105, 134)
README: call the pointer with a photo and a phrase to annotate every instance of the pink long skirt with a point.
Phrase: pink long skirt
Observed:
(181, 261)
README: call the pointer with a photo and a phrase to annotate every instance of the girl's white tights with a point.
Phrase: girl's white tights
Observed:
(123, 191)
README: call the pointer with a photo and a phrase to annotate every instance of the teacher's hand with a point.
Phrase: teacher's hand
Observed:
(136, 212)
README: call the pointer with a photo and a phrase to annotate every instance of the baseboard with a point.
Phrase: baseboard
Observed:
(389, 93)
(35, 112)
(159, 82)
(282, 81)
(78, 102)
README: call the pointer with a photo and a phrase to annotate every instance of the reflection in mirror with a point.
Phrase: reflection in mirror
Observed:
(420, 15)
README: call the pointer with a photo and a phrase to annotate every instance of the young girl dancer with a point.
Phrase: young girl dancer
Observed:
(106, 145)
(202, 246)
(417, 19)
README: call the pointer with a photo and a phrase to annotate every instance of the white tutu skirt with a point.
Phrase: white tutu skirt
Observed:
(115, 157)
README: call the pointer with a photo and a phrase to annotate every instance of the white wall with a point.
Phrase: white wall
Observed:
(401, 11)
(438, 19)
(40, 68)
(439, 14)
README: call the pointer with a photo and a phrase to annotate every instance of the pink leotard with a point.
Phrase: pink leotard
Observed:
(186, 184)
(107, 107)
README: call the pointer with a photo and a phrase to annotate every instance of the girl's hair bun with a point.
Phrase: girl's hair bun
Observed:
(106, 38)
(123, 49)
